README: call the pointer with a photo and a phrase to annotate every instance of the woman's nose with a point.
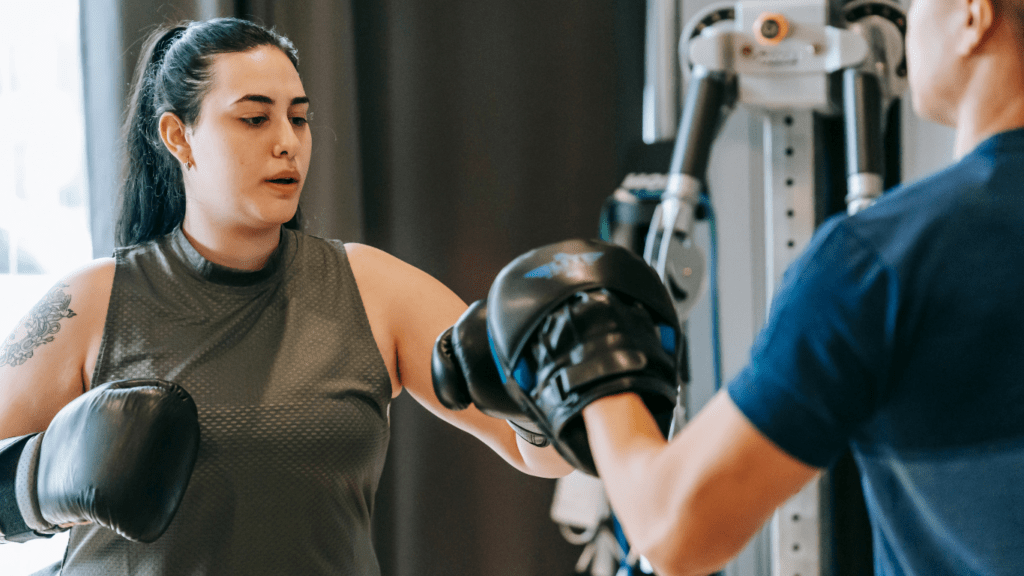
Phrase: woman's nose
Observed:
(286, 142)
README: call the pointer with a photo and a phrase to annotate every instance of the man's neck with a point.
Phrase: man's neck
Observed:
(973, 129)
(993, 102)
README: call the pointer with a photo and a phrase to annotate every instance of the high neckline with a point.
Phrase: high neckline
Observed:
(1010, 139)
(225, 275)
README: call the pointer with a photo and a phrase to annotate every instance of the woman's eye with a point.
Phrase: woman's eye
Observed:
(300, 120)
(255, 121)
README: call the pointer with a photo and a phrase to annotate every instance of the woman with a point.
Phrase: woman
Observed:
(292, 346)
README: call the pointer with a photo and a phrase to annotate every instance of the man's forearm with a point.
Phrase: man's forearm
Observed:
(692, 504)
(626, 444)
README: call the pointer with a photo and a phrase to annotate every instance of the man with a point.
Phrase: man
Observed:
(899, 333)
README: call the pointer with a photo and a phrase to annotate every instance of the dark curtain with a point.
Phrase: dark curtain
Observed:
(455, 135)
(488, 128)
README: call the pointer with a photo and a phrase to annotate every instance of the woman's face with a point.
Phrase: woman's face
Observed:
(250, 145)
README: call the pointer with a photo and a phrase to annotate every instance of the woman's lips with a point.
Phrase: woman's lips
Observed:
(284, 184)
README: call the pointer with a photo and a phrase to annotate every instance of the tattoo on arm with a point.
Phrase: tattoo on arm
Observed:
(41, 324)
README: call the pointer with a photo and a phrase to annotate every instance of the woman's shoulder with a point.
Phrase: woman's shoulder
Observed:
(374, 264)
(90, 287)
(363, 260)
(57, 341)
(83, 293)
(303, 241)
(375, 270)
(365, 254)
(384, 277)
(93, 279)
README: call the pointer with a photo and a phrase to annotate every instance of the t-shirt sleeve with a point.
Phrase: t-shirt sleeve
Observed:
(818, 367)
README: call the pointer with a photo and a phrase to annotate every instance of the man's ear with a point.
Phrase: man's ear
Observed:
(175, 137)
(980, 16)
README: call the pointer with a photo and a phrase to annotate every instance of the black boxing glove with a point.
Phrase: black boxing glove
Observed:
(464, 373)
(119, 456)
(576, 321)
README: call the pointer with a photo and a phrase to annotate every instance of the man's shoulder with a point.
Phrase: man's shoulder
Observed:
(933, 192)
(933, 206)
(994, 166)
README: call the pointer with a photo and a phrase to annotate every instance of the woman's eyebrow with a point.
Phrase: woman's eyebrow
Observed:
(268, 100)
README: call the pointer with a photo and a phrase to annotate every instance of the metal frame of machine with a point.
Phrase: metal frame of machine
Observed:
(788, 61)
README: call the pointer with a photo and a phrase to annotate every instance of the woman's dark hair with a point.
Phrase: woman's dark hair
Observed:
(173, 75)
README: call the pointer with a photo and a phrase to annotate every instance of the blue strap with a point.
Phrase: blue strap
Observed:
(522, 373)
(524, 376)
(669, 338)
(494, 357)
(716, 331)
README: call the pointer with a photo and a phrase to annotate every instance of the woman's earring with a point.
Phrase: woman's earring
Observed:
(188, 164)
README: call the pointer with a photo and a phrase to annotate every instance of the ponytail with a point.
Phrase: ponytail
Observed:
(172, 76)
(153, 192)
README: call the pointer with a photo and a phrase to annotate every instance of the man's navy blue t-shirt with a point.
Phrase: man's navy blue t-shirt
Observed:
(900, 333)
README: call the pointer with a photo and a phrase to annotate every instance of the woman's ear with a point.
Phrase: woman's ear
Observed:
(174, 136)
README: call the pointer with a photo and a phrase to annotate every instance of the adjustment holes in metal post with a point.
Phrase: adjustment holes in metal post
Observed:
(788, 120)
(790, 181)
(791, 244)
(790, 213)
(796, 547)
(796, 517)
(789, 151)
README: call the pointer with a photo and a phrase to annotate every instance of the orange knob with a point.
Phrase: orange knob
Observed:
(770, 29)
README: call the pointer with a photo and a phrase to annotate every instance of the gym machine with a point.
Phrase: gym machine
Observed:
(823, 77)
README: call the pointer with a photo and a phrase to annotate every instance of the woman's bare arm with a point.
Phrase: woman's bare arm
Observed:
(408, 309)
(47, 360)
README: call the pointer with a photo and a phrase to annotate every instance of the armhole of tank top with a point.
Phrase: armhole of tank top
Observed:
(101, 355)
(364, 318)
(64, 557)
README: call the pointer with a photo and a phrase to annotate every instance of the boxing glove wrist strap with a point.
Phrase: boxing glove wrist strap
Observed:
(530, 432)
(25, 489)
(20, 519)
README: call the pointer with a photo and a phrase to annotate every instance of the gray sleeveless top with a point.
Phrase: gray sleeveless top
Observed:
(293, 399)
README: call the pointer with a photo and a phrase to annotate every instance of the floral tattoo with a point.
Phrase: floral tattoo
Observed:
(41, 324)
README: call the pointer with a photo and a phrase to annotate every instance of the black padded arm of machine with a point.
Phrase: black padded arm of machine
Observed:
(708, 99)
(576, 321)
(865, 155)
(862, 113)
(709, 96)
